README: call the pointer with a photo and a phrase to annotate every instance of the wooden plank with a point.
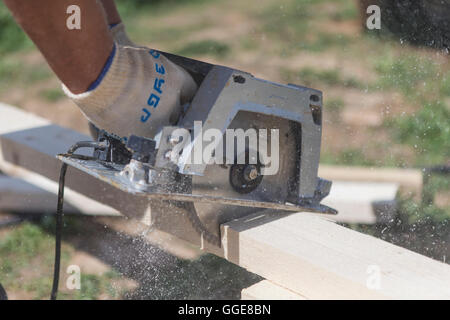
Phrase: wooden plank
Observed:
(7, 220)
(363, 202)
(409, 180)
(266, 290)
(28, 149)
(20, 196)
(319, 259)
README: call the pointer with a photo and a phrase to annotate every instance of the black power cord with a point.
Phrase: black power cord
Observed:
(3, 295)
(59, 211)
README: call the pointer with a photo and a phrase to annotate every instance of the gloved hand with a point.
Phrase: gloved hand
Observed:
(120, 35)
(141, 92)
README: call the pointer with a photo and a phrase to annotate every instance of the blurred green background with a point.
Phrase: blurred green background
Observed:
(386, 100)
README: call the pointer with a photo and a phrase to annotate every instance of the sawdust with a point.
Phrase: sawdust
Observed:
(368, 109)
(88, 263)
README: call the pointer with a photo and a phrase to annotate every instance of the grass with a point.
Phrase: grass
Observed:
(334, 105)
(323, 41)
(13, 71)
(205, 47)
(347, 11)
(12, 37)
(141, 18)
(427, 131)
(407, 74)
(350, 157)
(329, 77)
(415, 212)
(313, 77)
(425, 85)
(131, 8)
(12, 40)
(52, 95)
(18, 250)
(438, 183)
(292, 23)
(288, 21)
(26, 265)
(249, 44)
(93, 286)
(445, 85)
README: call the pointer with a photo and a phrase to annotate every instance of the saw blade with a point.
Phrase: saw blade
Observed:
(272, 188)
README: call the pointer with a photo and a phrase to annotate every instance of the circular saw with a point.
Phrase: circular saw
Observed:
(243, 144)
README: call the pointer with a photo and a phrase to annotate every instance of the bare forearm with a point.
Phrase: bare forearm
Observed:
(112, 15)
(76, 56)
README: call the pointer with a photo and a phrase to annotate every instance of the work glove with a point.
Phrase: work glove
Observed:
(120, 35)
(140, 92)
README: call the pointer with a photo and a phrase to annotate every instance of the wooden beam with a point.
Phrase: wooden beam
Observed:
(319, 259)
(28, 149)
(266, 290)
(410, 180)
(7, 220)
(20, 196)
(363, 202)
